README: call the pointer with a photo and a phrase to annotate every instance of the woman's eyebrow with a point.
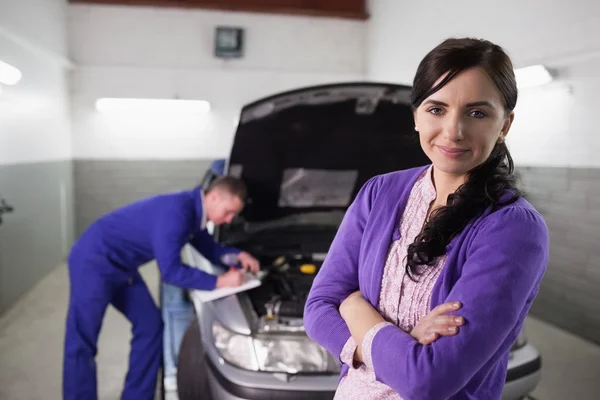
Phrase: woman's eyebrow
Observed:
(480, 103)
(473, 104)
(436, 102)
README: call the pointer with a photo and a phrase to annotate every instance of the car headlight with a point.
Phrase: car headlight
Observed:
(272, 354)
(234, 348)
(291, 355)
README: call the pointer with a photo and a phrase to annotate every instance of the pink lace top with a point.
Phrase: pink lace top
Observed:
(402, 301)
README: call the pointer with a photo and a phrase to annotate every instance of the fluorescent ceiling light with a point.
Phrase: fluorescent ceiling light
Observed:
(152, 106)
(9, 75)
(536, 75)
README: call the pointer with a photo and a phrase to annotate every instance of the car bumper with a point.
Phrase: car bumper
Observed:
(230, 383)
(524, 372)
(224, 389)
(522, 378)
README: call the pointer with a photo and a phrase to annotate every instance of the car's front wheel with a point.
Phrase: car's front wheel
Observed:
(192, 371)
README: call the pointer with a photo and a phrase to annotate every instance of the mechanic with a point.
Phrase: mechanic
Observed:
(103, 269)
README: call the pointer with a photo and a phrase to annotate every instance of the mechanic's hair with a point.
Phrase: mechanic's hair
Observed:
(230, 184)
(487, 183)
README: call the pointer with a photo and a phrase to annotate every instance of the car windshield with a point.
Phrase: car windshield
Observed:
(305, 188)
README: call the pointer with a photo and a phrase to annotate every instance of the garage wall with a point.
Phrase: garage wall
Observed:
(553, 125)
(35, 145)
(564, 187)
(554, 139)
(166, 53)
(569, 199)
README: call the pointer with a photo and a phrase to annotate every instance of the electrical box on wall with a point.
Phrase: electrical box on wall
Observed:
(229, 42)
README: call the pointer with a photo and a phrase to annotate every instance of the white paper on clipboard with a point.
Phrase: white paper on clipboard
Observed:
(209, 295)
(196, 260)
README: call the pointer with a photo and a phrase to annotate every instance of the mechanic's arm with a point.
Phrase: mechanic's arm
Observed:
(500, 278)
(211, 250)
(168, 239)
(338, 278)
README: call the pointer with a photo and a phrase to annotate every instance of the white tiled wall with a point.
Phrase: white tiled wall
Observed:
(34, 114)
(35, 145)
(166, 53)
(554, 126)
(568, 199)
(401, 33)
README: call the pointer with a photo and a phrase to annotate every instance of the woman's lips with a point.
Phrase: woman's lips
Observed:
(452, 152)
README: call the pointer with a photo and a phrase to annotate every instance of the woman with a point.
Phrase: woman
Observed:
(455, 237)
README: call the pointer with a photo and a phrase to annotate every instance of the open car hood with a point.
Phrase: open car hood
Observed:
(313, 148)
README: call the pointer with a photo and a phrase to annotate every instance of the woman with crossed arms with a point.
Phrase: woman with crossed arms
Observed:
(433, 270)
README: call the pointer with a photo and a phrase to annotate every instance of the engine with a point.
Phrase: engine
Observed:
(279, 302)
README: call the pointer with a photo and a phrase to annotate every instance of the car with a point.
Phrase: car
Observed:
(303, 154)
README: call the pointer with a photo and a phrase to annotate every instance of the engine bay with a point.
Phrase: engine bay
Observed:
(279, 302)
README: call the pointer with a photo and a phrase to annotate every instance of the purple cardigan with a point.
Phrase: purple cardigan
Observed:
(494, 268)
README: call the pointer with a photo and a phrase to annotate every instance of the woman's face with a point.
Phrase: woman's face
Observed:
(460, 124)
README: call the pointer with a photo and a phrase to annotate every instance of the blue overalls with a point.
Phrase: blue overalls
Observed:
(103, 270)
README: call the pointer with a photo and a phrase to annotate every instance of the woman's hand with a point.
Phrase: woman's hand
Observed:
(360, 316)
(350, 303)
(437, 324)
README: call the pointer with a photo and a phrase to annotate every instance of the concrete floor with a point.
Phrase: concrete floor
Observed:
(32, 334)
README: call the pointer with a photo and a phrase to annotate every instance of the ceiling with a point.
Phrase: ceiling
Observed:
(352, 9)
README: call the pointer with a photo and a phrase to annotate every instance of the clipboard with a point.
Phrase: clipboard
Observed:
(206, 296)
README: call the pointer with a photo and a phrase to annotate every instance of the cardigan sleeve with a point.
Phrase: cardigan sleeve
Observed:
(338, 276)
(504, 265)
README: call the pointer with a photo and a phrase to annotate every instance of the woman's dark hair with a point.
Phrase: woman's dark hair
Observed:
(486, 183)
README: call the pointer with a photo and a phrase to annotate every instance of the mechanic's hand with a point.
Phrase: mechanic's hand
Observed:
(232, 278)
(436, 324)
(248, 262)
